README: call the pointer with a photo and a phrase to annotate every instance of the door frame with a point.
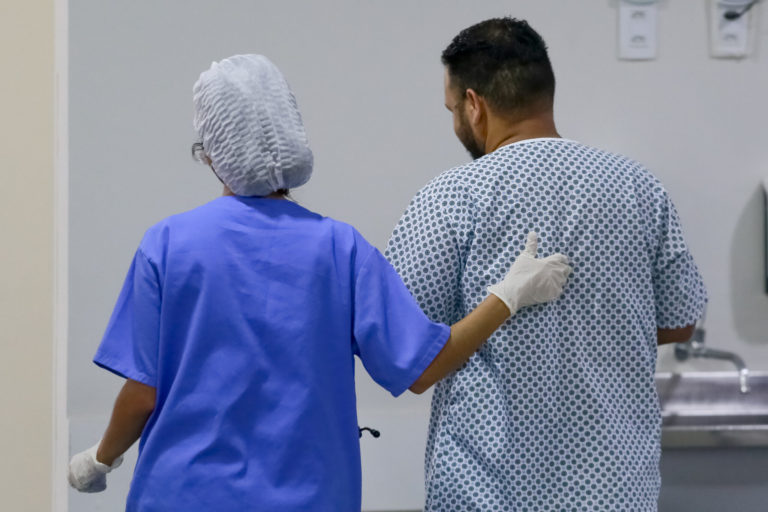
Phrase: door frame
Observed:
(60, 430)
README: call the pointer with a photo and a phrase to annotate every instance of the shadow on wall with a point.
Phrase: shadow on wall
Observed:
(749, 299)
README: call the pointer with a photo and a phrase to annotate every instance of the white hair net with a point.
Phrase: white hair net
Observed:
(250, 126)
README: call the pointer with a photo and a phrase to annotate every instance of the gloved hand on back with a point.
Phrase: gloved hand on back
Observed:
(86, 474)
(531, 280)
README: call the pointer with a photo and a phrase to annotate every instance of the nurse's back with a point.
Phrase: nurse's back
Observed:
(253, 360)
(559, 408)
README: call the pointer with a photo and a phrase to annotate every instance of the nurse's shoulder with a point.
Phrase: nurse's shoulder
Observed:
(199, 227)
(156, 237)
(186, 229)
(349, 240)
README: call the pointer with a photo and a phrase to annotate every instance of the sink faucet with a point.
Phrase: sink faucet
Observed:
(694, 348)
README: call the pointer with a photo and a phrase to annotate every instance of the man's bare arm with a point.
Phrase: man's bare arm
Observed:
(680, 335)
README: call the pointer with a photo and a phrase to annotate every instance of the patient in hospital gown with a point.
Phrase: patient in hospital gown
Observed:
(558, 410)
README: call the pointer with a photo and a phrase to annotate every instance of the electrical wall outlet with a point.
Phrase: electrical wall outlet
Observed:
(637, 29)
(729, 38)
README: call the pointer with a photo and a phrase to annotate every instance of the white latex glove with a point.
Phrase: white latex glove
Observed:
(86, 474)
(531, 280)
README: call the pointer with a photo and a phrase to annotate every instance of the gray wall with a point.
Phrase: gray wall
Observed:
(369, 83)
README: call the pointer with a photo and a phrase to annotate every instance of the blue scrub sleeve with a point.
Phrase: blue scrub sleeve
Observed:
(678, 287)
(392, 336)
(130, 345)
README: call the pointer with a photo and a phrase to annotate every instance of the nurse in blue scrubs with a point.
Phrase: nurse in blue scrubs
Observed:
(238, 323)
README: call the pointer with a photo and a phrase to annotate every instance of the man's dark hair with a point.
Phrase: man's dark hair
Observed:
(505, 61)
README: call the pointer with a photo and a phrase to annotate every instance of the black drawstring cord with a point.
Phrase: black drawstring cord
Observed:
(374, 433)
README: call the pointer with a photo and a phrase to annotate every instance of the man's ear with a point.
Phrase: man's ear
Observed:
(475, 107)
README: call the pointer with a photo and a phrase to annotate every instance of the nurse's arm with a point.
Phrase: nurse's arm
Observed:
(680, 335)
(132, 409)
(467, 335)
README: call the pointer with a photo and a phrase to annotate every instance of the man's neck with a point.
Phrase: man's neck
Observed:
(504, 133)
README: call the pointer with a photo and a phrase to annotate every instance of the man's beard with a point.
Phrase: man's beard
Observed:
(468, 139)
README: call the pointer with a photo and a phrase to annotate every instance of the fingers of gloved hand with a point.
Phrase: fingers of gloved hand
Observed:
(531, 280)
(556, 278)
(563, 271)
(560, 281)
(85, 474)
(559, 263)
(557, 258)
(557, 286)
(544, 284)
(532, 244)
(98, 484)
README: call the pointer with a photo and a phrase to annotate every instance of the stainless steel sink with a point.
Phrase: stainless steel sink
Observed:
(707, 409)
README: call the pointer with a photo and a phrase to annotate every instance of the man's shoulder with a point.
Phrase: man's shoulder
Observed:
(453, 182)
(647, 189)
(613, 159)
(460, 179)
(615, 164)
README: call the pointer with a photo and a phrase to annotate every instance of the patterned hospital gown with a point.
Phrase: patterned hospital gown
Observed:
(558, 410)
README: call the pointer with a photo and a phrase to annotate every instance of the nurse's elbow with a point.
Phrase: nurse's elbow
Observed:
(148, 403)
(420, 386)
(433, 373)
(141, 396)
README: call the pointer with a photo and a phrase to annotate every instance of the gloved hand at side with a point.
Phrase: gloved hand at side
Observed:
(531, 280)
(86, 474)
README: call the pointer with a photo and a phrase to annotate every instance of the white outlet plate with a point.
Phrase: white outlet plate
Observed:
(728, 39)
(637, 29)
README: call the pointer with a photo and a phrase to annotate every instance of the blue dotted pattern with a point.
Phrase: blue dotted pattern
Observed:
(558, 410)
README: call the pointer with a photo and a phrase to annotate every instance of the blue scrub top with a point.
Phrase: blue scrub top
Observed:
(245, 315)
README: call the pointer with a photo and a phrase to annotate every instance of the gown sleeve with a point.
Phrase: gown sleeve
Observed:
(130, 344)
(678, 288)
(429, 246)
